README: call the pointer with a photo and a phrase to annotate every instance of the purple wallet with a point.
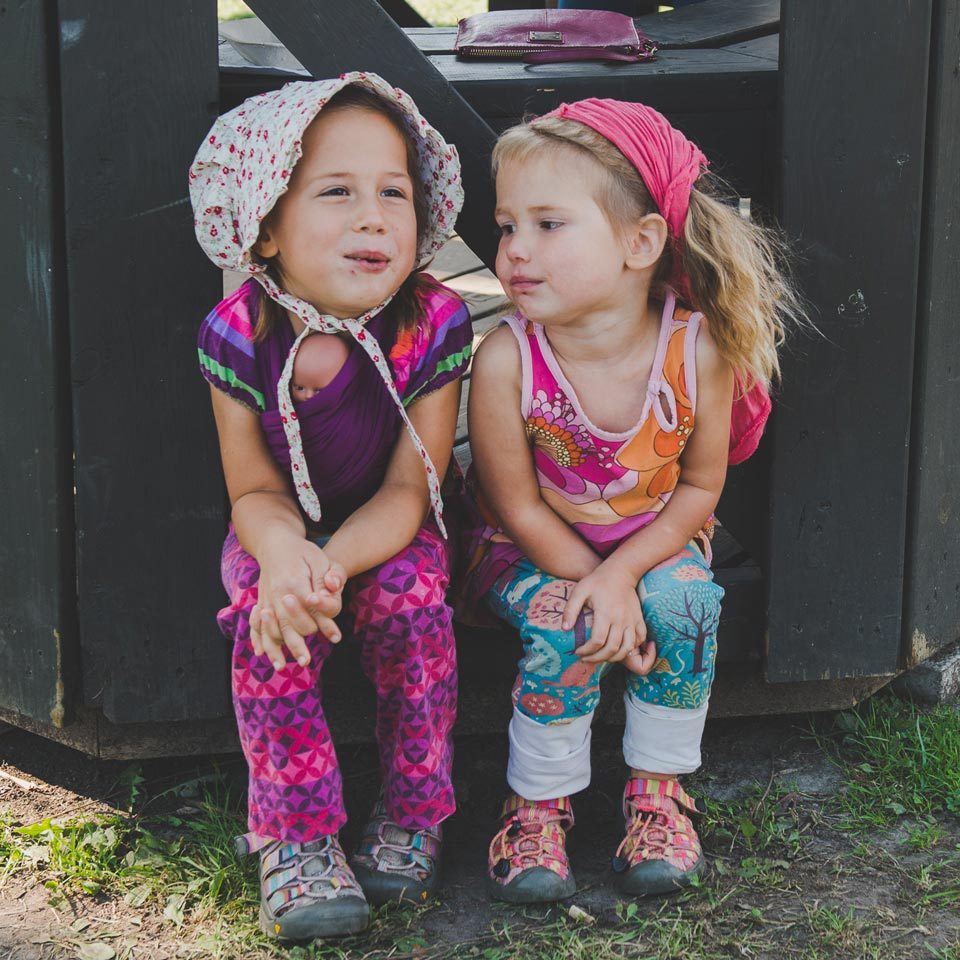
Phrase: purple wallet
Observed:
(551, 36)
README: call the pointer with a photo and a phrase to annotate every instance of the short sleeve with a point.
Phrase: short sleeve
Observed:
(440, 351)
(227, 352)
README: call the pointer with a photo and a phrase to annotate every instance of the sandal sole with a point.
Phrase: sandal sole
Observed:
(349, 919)
(517, 892)
(380, 888)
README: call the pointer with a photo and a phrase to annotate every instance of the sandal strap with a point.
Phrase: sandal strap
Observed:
(406, 849)
(533, 834)
(291, 872)
(658, 789)
(560, 805)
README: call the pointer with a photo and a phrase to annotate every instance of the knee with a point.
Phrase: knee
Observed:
(688, 611)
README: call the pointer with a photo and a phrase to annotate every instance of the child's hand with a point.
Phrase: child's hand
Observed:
(300, 592)
(619, 631)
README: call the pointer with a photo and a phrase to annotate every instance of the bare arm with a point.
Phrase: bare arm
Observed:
(504, 464)
(270, 528)
(390, 519)
(619, 631)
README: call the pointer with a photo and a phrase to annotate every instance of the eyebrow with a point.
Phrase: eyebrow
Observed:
(337, 175)
(541, 208)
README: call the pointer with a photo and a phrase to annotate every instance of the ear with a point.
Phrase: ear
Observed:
(645, 241)
(266, 245)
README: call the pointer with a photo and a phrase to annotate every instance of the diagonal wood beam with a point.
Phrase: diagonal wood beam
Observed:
(341, 35)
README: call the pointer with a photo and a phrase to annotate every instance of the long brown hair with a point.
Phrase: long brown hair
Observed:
(406, 301)
(736, 268)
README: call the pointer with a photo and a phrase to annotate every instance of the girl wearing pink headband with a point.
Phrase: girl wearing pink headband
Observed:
(601, 426)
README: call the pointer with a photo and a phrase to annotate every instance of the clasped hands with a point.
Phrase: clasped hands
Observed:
(619, 631)
(300, 594)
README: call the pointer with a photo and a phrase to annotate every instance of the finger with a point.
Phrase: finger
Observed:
(295, 643)
(628, 643)
(573, 607)
(335, 578)
(255, 631)
(299, 616)
(641, 661)
(592, 651)
(329, 628)
(272, 639)
(325, 605)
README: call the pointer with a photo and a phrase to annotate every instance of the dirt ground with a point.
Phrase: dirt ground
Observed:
(835, 894)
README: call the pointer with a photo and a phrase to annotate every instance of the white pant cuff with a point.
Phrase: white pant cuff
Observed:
(662, 739)
(548, 760)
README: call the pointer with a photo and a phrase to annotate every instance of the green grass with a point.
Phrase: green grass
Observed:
(900, 760)
(172, 854)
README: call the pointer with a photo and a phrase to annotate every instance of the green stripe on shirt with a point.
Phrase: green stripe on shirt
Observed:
(446, 364)
(229, 377)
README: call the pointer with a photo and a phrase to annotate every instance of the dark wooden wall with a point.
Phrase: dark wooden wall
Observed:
(139, 93)
(854, 111)
(38, 637)
(931, 616)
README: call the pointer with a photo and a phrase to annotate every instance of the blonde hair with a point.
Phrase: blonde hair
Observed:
(735, 266)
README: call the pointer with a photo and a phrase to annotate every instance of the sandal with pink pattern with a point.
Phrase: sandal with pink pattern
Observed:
(528, 856)
(661, 851)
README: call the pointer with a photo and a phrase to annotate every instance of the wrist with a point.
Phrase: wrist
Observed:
(617, 568)
(276, 543)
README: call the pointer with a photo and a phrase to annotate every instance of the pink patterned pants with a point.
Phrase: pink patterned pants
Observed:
(399, 615)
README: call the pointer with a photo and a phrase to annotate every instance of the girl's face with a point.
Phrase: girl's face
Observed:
(559, 257)
(345, 232)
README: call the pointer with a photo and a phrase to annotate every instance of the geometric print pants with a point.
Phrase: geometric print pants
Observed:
(556, 692)
(398, 614)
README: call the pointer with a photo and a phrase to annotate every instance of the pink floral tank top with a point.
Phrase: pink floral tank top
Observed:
(609, 485)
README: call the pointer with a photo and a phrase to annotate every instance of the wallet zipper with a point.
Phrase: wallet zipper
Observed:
(520, 52)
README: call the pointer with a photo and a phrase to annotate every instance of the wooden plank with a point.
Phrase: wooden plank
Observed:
(715, 24)
(678, 80)
(454, 260)
(139, 94)
(763, 48)
(324, 39)
(38, 636)
(853, 147)
(718, 23)
(932, 596)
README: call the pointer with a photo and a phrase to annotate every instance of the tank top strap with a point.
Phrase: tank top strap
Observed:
(534, 371)
(673, 378)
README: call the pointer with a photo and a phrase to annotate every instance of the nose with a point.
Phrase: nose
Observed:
(370, 217)
(514, 247)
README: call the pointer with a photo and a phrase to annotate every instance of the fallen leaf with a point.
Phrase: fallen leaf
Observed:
(96, 951)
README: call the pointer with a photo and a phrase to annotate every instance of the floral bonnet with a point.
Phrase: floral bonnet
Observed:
(240, 172)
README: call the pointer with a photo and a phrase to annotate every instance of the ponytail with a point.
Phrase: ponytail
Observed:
(735, 271)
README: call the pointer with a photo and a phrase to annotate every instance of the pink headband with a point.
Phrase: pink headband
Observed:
(666, 160)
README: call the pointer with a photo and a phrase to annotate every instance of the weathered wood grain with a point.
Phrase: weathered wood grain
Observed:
(853, 149)
(38, 636)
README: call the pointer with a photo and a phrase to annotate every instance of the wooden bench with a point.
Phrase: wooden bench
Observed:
(114, 512)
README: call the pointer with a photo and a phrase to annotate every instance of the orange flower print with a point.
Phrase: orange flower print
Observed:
(552, 426)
